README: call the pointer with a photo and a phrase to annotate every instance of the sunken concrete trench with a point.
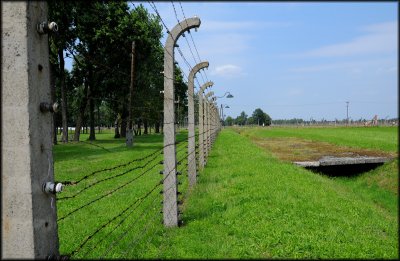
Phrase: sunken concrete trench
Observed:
(343, 166)
(323, 157)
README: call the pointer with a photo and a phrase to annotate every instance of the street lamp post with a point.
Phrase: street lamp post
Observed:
(229, 95)
(222, 112)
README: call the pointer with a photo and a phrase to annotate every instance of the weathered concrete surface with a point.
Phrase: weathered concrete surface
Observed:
(191, 131)
(202, 122)
(329, 161)
(335, 161)
(29, 227)
(170, 206)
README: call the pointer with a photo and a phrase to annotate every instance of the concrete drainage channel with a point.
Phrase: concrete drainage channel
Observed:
(343, 166)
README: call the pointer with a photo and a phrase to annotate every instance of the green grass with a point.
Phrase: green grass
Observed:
(250, 205)
(247, 204)
(74, 161)
(381, 138)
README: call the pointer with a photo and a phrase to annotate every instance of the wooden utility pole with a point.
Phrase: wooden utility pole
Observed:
(129, 135)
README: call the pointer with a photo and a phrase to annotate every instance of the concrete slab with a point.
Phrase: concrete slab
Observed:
(307, 163)
(337, 161)
(330, 161)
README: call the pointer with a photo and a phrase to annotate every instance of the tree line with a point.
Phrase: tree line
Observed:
(259, 117)
(98, 36)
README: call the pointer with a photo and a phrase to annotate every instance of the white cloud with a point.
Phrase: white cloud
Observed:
(228, 70)
(380, 39)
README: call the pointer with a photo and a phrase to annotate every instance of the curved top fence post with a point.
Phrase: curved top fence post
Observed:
(201, 123)
(170, 206)
(191, 130)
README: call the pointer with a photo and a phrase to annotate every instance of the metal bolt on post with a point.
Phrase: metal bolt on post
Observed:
(28, 209)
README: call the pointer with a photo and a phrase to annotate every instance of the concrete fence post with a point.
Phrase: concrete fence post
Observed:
(206, 117)
(170, 187)
(214, 126)
(208, 125)
(191, 131)
(202, 122)
(29, 215)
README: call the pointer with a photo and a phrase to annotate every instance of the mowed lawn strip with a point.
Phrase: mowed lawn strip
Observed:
(249, 205)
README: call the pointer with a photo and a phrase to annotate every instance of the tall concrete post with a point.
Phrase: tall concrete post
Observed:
(170, 206)
(208, 125)
(216, 120)
(202, 122)
(28, 214)
(191, 133)
(206, 118)
(214, 125)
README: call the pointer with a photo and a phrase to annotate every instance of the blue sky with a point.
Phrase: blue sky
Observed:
(296, 59)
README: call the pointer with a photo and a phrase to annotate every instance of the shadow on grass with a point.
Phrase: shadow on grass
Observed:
(146, 144)
(353, 170)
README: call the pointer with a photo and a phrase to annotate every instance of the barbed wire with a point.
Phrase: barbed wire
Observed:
(109, 178)
(108, 193)
(194, 44)
(182, 154)
(125, 232)
(66, 183)
(126, 209)
(115, 217)
(121, 213)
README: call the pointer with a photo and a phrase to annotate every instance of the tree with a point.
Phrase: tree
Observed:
(98, 36)
(63, 13)
(268, 120)
(261, 118)
(251, 121)
(229, 121)
(241, 119)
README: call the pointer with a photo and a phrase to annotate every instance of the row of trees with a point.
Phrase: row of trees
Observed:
(98, 36)
(259, 117)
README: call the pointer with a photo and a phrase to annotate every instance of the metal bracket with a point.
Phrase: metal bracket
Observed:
(52, 188)
(46, 27)
(47, 107)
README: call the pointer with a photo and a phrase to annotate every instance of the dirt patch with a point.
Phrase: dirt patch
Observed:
(295, 149)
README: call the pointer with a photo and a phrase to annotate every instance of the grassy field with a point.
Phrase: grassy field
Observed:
(381, 138)
(106, 197)
(247, 203)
